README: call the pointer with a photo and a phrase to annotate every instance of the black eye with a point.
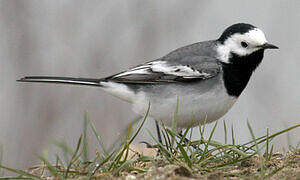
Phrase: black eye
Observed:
(244, 44)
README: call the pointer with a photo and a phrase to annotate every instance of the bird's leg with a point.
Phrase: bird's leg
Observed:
(158, 132)
(187, 141)
(158, 136)
(159, 139)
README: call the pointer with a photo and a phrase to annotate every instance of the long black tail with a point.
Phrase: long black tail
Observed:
(62, 80)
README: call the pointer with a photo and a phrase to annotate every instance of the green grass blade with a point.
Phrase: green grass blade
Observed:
(208, 142)
(14, 177)
(143, 122)
(165, 139)
(252, 141)
(85, 147)
(169, 142)
(98, 137)
(128, 142)
(262, 168)
(50, 168)
(167, 154)
(274, 172)
(234, 162)
(124, 165)
(183, 137)
(232, 135)
(270, 153)
(272, 136)
(59, 161)
(66, 150)
(117, 161)
(185, 156)
(122, 134)
(225, 131)
(20, 172)
(126, 148)
(173, 133)
(73, 156)
(175, 118)
(267, 146)
(101, 164)
(1, 157)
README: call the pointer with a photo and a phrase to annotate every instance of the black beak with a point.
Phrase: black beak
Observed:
(269, 46)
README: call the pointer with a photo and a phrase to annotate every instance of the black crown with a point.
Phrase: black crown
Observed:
(240, 28)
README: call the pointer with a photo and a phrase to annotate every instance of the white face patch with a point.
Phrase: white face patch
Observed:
(253, 38)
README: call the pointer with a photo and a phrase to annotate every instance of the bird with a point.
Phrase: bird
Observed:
(203, 80)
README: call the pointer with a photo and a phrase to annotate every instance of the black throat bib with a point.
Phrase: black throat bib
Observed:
(239, 70)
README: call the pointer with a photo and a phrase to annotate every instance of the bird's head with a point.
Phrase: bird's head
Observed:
(241, 40)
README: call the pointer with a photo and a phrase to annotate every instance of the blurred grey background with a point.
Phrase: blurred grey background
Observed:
(98, 38)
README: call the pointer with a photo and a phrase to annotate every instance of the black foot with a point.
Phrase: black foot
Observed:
(148, 145)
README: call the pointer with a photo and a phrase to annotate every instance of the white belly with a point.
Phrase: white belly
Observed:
(193, 109)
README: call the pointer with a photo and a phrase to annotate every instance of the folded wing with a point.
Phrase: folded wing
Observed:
(187, 69)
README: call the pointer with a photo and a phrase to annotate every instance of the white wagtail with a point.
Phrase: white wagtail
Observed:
(206, 78)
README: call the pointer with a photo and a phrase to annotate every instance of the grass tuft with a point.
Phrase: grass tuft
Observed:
(178, 156)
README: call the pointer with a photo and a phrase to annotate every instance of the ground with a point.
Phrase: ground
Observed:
(288, 166)
(281, 166)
